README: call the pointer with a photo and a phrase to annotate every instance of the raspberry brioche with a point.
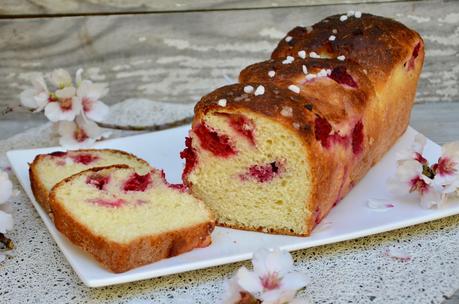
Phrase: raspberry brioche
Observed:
(276, 152)
(48, 169)
(125, 219)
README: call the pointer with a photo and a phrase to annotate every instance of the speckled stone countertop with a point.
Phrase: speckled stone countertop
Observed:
(354, 271)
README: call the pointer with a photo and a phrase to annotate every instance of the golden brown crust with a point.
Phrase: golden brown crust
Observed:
(141, 251)
(263, 229)
(376, 43)
(335, 102)
(38, 188)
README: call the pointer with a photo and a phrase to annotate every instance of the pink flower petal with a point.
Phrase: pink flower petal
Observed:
(249, 280)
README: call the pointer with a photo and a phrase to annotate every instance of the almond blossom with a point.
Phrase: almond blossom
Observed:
(6, 219)
(81, 133)
(433, 184)
(74, 108)
(272, 280)
(35, 97)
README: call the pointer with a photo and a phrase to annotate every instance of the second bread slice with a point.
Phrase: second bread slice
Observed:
(126, 220)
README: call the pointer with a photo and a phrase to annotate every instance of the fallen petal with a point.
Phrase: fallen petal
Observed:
(398, 254)
(380, 204)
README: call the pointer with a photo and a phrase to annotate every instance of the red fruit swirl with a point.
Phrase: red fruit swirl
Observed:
(218, 144)
(263, 173)
(357, 138)
(190, 157)
(84, 159)
(109, 203)
(243, 126)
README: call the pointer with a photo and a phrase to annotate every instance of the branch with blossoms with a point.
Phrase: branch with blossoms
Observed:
(6, 219)
(74, 106)
(433, 184)
(272, 281)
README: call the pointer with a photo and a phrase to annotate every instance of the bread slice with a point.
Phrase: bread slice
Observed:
(48, 169)
(125, 219)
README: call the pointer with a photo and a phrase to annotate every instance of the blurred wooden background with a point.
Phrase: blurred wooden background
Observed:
(176, 51)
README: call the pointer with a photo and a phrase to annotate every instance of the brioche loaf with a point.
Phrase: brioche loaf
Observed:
(46, 170)
(277, 151)
(125, 219)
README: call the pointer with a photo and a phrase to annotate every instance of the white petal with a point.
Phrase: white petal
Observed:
(408, 169)
(53, 112)
(76, 105)
(42, 100)
(6, 187)
(90, 127)
(97, 91)
(67, 92)
(249, 280)
(419, 143)
(451, 150)
(6, 222)
(277, 296)
(27, 98)
(98, 112)
(294, 281)
(265, 262)
(60, 78)
(232, 291)
(432, 199)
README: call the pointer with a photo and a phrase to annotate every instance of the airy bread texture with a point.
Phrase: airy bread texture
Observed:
(276, 152)
(47, 170)
(125, 219)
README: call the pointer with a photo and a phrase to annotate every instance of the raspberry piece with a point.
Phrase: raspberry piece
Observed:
(137, 182)
(84, 159)
(191, 159)
(211, 141)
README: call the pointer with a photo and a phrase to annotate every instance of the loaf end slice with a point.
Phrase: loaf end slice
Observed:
(46, 170)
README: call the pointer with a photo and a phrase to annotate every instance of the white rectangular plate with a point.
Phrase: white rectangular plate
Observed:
(350, 219)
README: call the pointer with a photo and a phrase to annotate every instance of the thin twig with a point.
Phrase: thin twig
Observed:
(167, 125)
